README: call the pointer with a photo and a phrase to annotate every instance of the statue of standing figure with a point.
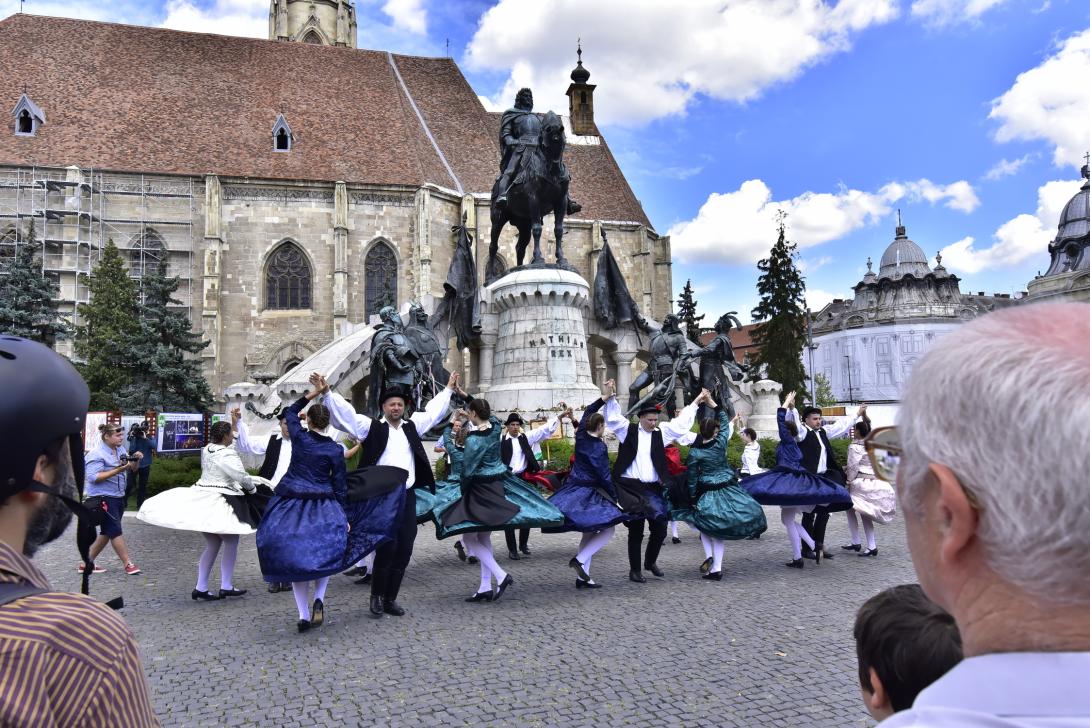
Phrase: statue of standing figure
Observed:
(533, 181)
(718, 366)
(668, 369)
(431, 375)
(393, 360)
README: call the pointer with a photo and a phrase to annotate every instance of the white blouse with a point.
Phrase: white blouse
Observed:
(221, 469)
(750, 455)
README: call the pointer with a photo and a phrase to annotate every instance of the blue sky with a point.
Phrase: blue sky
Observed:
(970, 116)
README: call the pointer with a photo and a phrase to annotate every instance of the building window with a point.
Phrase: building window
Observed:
(583, 98)
(146, 252)
(291, 364)
(380, 278)
(28, 117)
(312, 37)
(885, 374)
(7, 247)
(881, 346)
(282, 136)
(287, 279)
(25, 124)
(910, 344)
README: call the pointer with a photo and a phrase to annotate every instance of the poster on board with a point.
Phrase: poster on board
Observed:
(180, 432)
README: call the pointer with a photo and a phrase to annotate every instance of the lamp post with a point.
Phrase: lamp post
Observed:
(810, 346)
(851, 401)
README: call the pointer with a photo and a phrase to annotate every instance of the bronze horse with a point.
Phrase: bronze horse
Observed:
(540, 187)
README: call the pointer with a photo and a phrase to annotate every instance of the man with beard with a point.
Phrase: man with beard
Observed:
(65, 659)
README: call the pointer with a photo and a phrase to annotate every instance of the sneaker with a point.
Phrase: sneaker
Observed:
(97, 570)
(132, 569)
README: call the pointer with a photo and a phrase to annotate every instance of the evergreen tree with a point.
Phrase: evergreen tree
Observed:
(163, 377)
(781, 316)
(686, 311)
(823, 391)
(107, 330)
(28, 297)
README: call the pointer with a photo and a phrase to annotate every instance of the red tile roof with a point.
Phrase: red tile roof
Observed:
(135, 99)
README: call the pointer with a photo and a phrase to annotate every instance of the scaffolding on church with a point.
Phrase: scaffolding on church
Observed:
(75, 211)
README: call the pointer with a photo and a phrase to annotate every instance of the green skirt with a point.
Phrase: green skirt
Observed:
(728, 514)
(533, 510)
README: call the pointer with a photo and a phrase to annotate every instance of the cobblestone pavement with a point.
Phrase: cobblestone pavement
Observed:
(767, 646)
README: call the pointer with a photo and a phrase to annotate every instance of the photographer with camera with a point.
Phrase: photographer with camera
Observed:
(106, 467)
(140, 444)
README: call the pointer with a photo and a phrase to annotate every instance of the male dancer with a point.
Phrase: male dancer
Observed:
(818, 457)
(522, 462)
(394, 441)
(641, 474)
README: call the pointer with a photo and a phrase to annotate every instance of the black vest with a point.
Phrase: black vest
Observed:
(626, 454)
(811, 452)
(527, 451)
(375, 444)
(272, 457)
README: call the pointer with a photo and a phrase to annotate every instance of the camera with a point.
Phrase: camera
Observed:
(129, 459)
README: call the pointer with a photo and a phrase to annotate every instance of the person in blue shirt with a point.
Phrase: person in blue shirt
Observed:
(138, 479)
(106, 469)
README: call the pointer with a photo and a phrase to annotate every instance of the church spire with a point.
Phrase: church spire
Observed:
(321, 22)
(581, 97)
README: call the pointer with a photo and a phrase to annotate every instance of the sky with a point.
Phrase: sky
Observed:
(970, 117)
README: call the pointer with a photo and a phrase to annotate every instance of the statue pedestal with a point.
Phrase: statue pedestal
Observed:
(540, 357)
(766, 400)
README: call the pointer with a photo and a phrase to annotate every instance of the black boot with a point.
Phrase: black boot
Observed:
(376, 605)
(393, 586)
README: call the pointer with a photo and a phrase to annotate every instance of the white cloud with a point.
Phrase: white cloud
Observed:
(739, 227)
(948, 12)
(247, 18)
(1006, 167)
(652, 58)
(126, 11)
(410, 15)
(1016, 240)
(808, 266)
(817, 299)
(1051, 102)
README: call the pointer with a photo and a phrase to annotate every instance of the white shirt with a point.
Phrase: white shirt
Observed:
(221, 469)
(534, 436)
(1005, 690)
(246, 445)
(751, 453)
(642, 468)
(833, 431)
(397, 452)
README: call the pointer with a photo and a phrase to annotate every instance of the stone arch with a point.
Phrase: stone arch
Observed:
(287, 277)
(146, 251)
(381, 269)
(287, 357)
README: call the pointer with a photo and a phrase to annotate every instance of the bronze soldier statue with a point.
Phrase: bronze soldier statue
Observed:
(669, 365)
(393, 359)
(431, 376)
(718, 367)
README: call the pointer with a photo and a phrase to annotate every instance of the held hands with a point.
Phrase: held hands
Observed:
(236, 415)
(321, 386)
(789, 401)
(452, 383)
(609, 390)
(705, 396)
(862, 411)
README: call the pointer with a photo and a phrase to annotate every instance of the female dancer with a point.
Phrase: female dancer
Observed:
(587, 497)
(712, 502)
(454, 442)
(305, 536)
(751, 453)
(873, 499)
(490, 498)
(792, 487)
(222, 505)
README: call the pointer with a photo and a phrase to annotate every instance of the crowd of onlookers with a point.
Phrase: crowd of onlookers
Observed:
(997, 633)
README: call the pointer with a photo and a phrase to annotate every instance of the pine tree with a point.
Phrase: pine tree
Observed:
(781, 315)
(686, 311)
(823, 391)
(109, 325)
(28, 297)
(164, 378)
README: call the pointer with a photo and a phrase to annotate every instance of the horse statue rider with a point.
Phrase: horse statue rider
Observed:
(718, 367)
(669, 366)
(533, 181)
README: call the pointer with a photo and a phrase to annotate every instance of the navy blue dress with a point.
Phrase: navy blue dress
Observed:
(304, 533)
(587, 498)
(789, 484)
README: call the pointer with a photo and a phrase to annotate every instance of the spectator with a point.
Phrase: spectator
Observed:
(106, 467)
(65, 659)
(138, 479)
(997, 519)
(904, 642)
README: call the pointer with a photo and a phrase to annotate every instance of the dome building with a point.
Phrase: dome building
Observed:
(866, 347)
(1068, 273)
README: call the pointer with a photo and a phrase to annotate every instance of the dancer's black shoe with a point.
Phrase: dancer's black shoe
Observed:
(636, 576)
(355, 571)
(205, 596)
(852, 547)
(376, 605)
(317, 613)
(574, 563)
(472, 560)
(302, 625)
(675, 539)
(870, 552)
(365, 579)
(502, 587)
(654, 569)
(525, 551)
(713, 576)
(513, 555)
(706, 566)
(231, 593)
(796, 564)
(390, 606)
(581, 584)
(461, 550)
(485, 596)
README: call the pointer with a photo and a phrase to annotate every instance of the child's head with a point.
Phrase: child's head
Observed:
(749, 435)
(904, 642)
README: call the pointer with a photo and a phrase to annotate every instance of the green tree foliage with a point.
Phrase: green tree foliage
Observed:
(781, 315)
(28, 297)
(163, 377)
(108, 327)
(823, 391)
(686, 311)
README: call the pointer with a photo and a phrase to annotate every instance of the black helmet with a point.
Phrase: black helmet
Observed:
(44, 399)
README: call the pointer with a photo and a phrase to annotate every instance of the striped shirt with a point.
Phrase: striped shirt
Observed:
(65, 659)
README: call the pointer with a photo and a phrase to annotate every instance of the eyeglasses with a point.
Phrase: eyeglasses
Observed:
(883, 446)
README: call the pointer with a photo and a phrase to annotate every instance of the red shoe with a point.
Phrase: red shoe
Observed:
(132, 569)
(97, 570)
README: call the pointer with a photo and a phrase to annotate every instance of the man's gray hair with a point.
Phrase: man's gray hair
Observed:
(1004, 402)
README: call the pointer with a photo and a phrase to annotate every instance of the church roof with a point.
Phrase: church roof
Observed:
(1075, 218)
(136, 99)
(903, 257)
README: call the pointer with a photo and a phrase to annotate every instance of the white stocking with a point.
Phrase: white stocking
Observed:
(227, 561)
(853, 525)
(707, 544)
(717, 555)
(590, 546)
(868, 531)
(301, 590)
(208, 557)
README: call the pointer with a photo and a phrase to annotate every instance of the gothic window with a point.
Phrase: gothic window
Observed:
(7, 247)
(380, 278)
(147, 251)
(291, 364)
(287, 279)
(312, 37)
(28, 117)
(25, 123)
(283, 143)
(282, 136)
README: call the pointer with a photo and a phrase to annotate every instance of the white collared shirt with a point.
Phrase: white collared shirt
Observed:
(642, 468)
(518, 463)
(1005, 690)
(750, 455)
(833, 431)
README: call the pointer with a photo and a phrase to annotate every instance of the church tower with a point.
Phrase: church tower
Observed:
(322, 22)
(581, 99)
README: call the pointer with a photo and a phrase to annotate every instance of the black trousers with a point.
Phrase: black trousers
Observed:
(524, 538)
(138, 481)
(815, 522)
(635, 542)
(392, 557)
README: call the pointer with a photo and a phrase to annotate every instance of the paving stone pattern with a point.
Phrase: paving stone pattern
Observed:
(767, 646)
